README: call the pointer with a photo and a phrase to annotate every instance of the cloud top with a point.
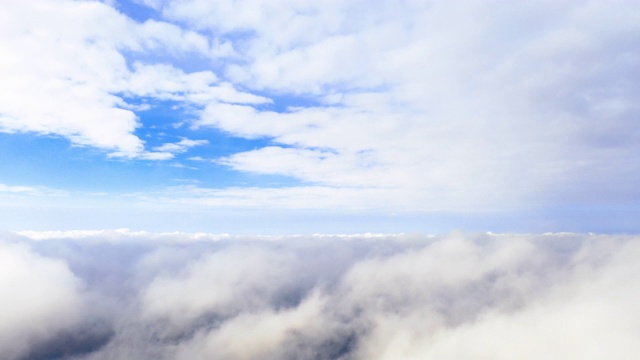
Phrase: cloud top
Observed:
(181, 296)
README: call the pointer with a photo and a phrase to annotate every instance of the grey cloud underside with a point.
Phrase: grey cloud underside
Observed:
(122, 295)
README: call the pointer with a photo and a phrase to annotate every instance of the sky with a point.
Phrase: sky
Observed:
(283, 117)
(326, 180)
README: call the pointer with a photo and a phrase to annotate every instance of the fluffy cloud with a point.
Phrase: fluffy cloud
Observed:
(179, 147)
(192, 296)
(80, 90)
(526, 106)
(482, 106)
(40, 307)
(220, 284)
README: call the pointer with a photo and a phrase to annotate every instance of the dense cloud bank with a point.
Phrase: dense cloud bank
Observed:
(125, 295)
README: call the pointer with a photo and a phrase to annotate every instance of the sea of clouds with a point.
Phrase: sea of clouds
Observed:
(135, 295)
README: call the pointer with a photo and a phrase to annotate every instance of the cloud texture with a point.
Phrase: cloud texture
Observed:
(85, 91)
(125, 295)
(411, 106)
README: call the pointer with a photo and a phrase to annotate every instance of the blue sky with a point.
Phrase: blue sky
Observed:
(333, 116)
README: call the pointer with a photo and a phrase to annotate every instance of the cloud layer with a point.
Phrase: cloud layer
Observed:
(411, 106)
(123, 295)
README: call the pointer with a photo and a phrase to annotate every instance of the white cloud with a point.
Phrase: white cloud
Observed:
(27, 191)
(17, 189)
(581, 316)
(179, 295)
(76, 91)
(222, 284)
(461, 102)
(181, 146)
(253, 335)
(414, 105)
(68, 94)
(40, 298)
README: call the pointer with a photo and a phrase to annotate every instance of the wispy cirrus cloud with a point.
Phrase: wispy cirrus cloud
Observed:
(41, 300)
(24, 190)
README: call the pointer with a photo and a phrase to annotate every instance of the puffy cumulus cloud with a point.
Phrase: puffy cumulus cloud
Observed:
(282, 35)
(68, 94)
(582, 315)
(219, 284)
(42, 307)
(370, 296)
(264, 334)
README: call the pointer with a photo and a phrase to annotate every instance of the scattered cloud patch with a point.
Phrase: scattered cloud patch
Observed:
(27, 191)
(181, 146)
(399, 106)
(42, 303)
(79, 91)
